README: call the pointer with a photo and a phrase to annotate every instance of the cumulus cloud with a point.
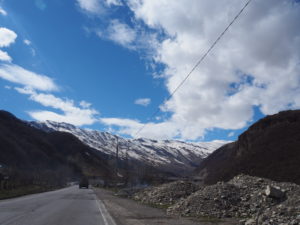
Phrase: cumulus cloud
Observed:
(19, 75)
(257, 62)
(119, 33)
(142, 101)
(4, 56)
(3, 12)
(7, 37)
(70, 112)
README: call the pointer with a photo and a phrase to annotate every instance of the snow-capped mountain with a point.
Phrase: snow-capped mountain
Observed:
(159, 153)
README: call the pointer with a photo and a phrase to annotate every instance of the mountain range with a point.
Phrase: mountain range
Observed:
(270, 148)
(172, 156)
(50, 154)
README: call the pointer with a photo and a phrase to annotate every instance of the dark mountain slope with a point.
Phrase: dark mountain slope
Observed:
(31, 155)
(26, 152)
(270, 148)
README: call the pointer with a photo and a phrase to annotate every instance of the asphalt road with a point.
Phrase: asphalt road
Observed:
(69, 206)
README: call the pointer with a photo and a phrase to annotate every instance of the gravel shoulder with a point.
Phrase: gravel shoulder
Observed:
(129, 212)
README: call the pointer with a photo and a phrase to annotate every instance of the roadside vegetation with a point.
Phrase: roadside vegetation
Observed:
(14, 183)
(26, 190)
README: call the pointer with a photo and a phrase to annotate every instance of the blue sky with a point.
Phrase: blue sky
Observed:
(109, 64)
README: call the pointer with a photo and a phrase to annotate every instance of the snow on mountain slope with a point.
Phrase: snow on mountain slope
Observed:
(154, 152)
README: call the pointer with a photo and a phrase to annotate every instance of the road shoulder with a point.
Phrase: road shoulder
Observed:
(129, 212)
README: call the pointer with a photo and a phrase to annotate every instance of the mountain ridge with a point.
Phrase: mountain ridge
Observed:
(176, 156)
(270, 148)
(31, 156)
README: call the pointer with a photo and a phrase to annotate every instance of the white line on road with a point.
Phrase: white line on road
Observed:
(108, 220)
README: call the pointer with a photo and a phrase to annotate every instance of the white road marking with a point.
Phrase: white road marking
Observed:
(108, 220)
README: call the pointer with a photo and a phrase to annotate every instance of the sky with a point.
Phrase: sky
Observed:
(110, 64)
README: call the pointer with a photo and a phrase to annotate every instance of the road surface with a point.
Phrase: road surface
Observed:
(69, 206)
(74, 206)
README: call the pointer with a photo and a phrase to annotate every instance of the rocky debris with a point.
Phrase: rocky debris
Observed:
(250, 222)
(274, 192)
(254, 200)
(219, 200)
(166, 194)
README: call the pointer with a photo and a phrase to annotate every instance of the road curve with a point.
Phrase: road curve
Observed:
(68, 206)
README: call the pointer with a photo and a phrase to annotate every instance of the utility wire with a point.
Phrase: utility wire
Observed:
(197, 64)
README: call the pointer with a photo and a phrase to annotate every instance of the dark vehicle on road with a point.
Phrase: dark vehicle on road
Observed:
(84, 183)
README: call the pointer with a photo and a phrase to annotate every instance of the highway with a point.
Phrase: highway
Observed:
(68, 206)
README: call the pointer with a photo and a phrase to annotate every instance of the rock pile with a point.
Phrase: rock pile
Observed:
(251, 199)
(166, 194)
(271, 202)
(219, 200)
(259, 201)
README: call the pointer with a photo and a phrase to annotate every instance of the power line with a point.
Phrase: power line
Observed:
(197, 64)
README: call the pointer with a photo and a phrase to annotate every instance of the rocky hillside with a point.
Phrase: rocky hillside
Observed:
(169, 155)
(270, 148)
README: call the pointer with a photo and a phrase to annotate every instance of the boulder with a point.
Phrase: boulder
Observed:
(274, 192)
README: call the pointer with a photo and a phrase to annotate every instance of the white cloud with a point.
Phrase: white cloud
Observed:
(33, 82)
(7, 87)
(3, 12)
(19, 75)
(231, 134)
(4, 56)
(121, 122)
(113, 2)
(85, 104)
(120, 33)
(91, 6)
(27, 42)
(97, 7)
(257, 63)
(143, 101)
(164, 130)
(70, 112)
(7, 37)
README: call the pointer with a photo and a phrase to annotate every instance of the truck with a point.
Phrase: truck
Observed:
(84, 183)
